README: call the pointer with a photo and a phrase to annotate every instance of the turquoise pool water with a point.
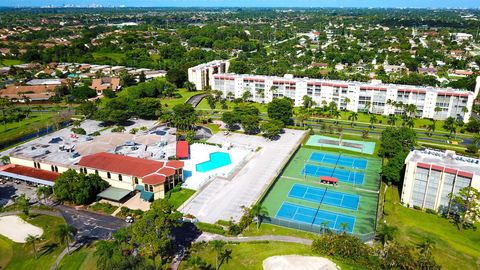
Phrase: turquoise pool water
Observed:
(217, 160)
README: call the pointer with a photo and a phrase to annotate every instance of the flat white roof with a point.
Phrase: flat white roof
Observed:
(447, 159)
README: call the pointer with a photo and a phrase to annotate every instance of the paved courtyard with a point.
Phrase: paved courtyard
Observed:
(223, 199)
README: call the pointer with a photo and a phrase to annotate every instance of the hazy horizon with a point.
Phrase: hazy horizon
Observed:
(252, 3)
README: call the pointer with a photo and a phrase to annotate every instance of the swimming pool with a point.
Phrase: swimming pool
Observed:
(217, 160)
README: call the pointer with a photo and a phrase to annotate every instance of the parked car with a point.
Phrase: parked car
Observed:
(129, 219)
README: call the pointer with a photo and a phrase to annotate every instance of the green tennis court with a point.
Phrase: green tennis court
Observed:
(296, 192)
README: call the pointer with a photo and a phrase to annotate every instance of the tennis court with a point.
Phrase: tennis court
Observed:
(342, 175)
(324, 196)
(339, 160)
(315, 217)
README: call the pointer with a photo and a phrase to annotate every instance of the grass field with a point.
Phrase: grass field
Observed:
(366, 212)
(179, 197)
(117, 57)
(249, 256)
(10, 62)
(170, 102)
(27, 126)
(203, 105)
(270, 229)
(81, 259)
(18, 256)
(452, 247)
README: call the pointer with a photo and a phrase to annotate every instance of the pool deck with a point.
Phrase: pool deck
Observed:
(222, 198)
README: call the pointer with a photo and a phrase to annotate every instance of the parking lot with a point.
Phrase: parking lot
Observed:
(10, 190)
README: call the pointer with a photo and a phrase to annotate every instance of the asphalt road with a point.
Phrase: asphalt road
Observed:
(195, 100)
(90, 226)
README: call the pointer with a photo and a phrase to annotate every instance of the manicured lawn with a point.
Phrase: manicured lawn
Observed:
(453, 248)
(214, 128)
(81, 259)
(204, 106)
(104, 208)
(179, 197)
(22, 257)
(10, 62)
(269, 229)
(6, 252)
(170, 102)
(250, 256)
(117, 57)
(27, 126)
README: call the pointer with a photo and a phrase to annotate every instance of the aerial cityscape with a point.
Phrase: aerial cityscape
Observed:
(240, 135)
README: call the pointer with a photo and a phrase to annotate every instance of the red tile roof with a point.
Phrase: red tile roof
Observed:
(30, 172)
(153, 179)
(182, 149)
(176, 164)
(121, 164)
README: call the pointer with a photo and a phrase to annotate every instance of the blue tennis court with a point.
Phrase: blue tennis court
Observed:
(342, 175)
(338, 160)
(324, 196)
(308, 215)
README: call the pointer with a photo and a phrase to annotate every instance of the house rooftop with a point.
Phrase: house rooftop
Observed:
(446, 159)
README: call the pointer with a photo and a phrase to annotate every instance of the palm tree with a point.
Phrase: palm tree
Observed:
(373, 120)
(344, 226)
(258, 211)
(324, 226)
(347, 101)
(353, 117)
(368, 104)
(431, 128)
(31, 241)
(217, 246)
(387, 233)
(65, 234)
(465, 110)
(392, 119)
(336, 114)
(410, 122)
(450, 125)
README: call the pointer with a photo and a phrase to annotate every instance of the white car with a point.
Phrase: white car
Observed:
(129, 219)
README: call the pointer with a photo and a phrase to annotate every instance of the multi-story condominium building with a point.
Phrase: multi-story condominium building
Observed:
(430, 102)
(202, 75)
(431, 175)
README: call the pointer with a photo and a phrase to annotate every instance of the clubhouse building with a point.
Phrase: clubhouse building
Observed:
(375, 97)
(431, 175)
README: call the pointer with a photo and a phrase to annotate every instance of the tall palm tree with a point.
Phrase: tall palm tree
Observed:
(353, 117)
(217, 246)
(31, 240)
(258, 211)
(336, 114)
(392, 119)
(373, 120)
(431, 128)
(324, 226)
(65, 234)
(347, 101)
(410, 122)
(368, 105)
(104, 251)
(344, 226)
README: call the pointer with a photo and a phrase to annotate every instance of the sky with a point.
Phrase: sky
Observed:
(253, 3)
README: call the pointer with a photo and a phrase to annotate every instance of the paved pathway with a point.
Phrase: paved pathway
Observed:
(274, 238)
(34, 211)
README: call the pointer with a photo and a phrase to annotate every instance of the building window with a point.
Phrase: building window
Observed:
(151, 188)
(96, 172)
(56, 169)
(108, 175)
(136, 181)
(120, 177)
(53, 168)
(146, 187)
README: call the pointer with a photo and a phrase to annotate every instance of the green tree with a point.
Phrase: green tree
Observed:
(218, 247)
(258, 211)
(88, 109)
(31, 240)
(250, 123)
(450, 125)
(373, 120)
(307, 102)
(392, 119)
(24, 203)
(387, 233)
(271, 128)
(466, 205)
(64, 234)
(353, 117)
(190, 86)
(280, 109)
(78, 188)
